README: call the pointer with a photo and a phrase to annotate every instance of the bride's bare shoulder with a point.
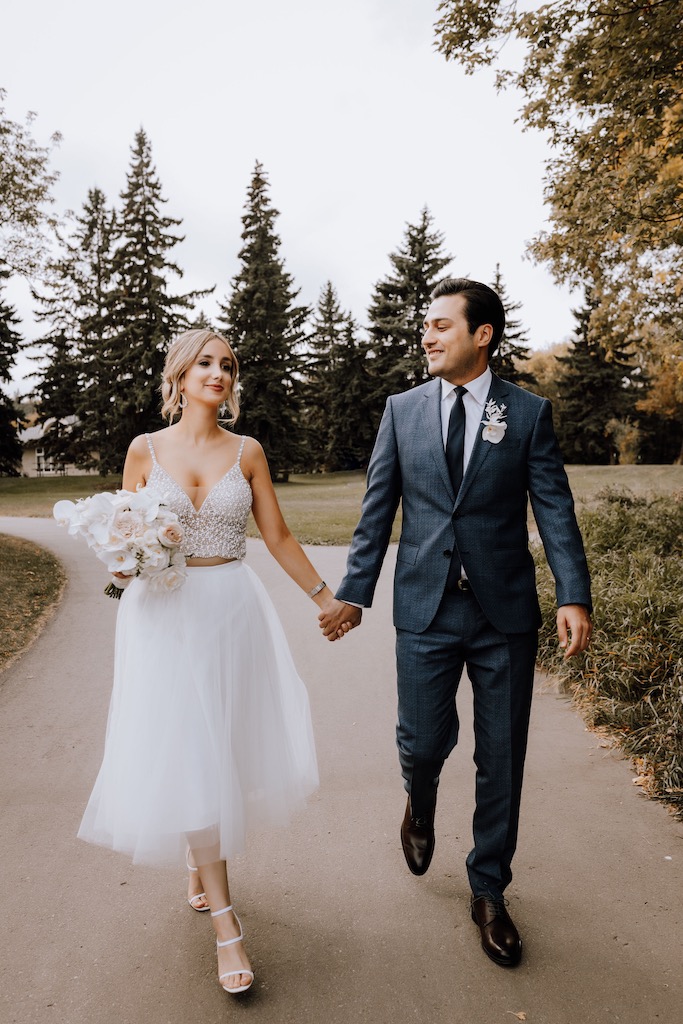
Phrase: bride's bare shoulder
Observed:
(140, 445)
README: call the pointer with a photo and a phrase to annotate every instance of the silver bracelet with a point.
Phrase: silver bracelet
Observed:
(316, 590)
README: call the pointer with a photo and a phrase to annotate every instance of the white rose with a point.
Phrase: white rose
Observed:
(170, 535)
(128, 523)
(168, 580)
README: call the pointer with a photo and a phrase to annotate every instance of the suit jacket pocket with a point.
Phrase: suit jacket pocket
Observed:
(407, 552)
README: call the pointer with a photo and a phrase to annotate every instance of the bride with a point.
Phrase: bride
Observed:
(209, 728)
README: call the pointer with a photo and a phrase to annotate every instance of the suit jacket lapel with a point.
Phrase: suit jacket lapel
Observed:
(481, 450)
(431, 418)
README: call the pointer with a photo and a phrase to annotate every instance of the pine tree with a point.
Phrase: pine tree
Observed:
(265, 327)
(337, 388)
(593, 392)
(512, 352)
(57, 396)
(138, 320)
(397, 309)
(10, 446)
(328, 328)
(99, 339)
(75, 311)
(350, 434)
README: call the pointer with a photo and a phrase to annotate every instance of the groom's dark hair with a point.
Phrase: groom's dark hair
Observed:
(482, 305)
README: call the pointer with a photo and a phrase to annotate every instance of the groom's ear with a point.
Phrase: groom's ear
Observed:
(483, 335)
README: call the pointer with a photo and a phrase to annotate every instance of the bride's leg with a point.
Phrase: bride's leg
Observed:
(196, 896)
(233, 962)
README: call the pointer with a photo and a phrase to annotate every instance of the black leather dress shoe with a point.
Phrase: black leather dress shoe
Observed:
(499, 938)
(417, 840)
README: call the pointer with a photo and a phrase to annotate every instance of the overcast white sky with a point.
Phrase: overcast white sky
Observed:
(358, 122)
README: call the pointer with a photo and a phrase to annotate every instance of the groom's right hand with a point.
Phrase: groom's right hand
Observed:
(338, 617)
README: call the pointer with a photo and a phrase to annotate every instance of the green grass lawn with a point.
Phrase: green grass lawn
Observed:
(35, 496)
(323, 508)
(31, 581)
(643, 481)
(319, 508)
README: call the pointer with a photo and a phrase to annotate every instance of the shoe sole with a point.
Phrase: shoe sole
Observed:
(503, 963)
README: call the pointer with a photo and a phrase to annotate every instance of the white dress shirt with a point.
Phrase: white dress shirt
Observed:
(473, 403)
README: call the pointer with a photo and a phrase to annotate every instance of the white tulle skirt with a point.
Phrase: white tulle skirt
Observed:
(209, 729)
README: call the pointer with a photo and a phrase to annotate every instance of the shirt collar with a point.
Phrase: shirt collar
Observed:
(477, 388)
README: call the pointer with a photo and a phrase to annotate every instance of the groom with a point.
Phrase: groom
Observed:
(463, 453)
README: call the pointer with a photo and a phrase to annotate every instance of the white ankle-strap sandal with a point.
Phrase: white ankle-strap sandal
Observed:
(199, 895)
(231, 942)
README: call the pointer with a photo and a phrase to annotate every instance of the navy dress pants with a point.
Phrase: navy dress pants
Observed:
(500, 667)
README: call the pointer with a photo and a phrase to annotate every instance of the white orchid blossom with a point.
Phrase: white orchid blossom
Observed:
(495, 426)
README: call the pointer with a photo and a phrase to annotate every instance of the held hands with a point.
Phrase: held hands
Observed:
(574, 628)
(337, 618)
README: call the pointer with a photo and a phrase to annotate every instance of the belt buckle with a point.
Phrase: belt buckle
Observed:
(463, 584)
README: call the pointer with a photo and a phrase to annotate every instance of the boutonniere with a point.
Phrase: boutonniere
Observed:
(495, 426)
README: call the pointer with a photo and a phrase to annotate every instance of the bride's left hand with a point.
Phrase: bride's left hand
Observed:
(337, 618)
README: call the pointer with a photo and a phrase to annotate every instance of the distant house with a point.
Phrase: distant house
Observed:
(35, 461)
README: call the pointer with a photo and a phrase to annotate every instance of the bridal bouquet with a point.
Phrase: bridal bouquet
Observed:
(132, 533)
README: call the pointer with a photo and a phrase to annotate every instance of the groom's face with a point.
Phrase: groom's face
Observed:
(452, 352)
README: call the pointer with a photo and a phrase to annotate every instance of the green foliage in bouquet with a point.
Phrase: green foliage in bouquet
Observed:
(630, 681)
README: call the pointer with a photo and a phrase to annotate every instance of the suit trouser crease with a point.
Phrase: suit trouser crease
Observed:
(501, 670)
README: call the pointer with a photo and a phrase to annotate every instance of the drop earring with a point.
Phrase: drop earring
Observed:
(182, 401)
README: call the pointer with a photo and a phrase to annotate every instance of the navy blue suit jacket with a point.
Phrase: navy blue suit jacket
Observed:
(486, 521)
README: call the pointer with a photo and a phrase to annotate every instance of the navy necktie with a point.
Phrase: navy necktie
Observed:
(455, 443)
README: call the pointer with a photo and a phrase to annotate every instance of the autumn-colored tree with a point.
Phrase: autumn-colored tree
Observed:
(663, 344)
(547, 369)
(603, 81)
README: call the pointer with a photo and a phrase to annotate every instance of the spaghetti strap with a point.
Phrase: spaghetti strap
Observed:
(151, 448)
(239, 454)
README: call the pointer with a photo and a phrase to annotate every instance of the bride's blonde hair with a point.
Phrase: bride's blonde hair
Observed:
(179, 358)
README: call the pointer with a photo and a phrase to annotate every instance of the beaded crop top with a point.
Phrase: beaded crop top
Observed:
(218, 528)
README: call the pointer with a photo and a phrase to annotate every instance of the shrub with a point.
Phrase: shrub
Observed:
(630, 681)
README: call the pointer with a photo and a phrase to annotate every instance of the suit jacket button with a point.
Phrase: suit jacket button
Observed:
(448, 554)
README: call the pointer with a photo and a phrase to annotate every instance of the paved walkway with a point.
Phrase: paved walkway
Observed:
(338, 930)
